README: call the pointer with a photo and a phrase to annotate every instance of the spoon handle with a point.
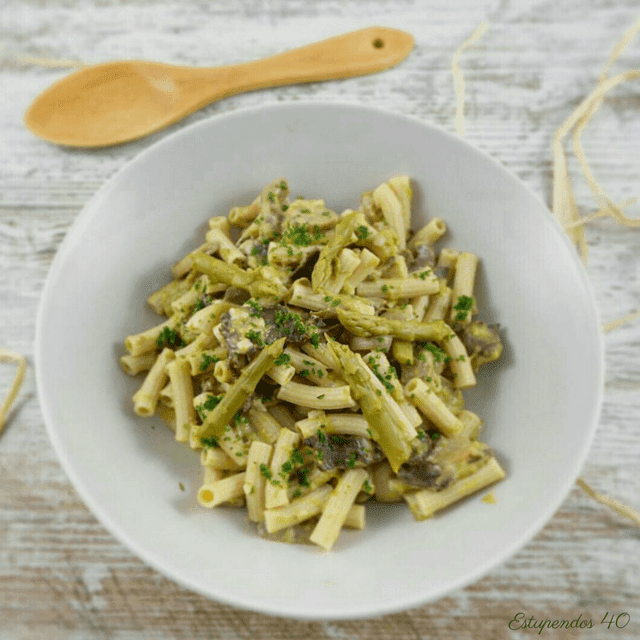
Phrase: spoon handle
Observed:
(352, 54)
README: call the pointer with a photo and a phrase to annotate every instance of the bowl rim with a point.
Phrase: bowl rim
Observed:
(248, 603)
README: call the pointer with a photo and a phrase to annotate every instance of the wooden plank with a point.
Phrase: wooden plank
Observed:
(62, 575)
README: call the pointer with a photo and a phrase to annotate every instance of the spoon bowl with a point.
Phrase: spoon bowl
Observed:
(115, 102)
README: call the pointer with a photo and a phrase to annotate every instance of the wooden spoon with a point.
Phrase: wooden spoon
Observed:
(116, 102)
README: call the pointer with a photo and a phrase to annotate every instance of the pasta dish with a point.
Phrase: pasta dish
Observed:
(317, 360)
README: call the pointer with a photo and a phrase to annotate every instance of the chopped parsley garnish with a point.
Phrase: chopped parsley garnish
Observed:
(303, 481)
(424, 274)
(285, 317)
(321, 436)
(463, 306)
(315, 340)
(283, 185)
(328, 298)
(254, 336)
(438, 354)
(435, 436)
(287, 467)
(290, 465)
(362, 233)
(210, 442)
(171, 337)
(298, 235)
(384, 288)
(207, 360)
(265, 471)
(351, 462)
(285, 207)
(181, 487)
(282, 360)
(200, 304)
(320, 396)
(208, 405)
(238, 418)
(375, 367)
(367, 487)
(272, 197)
(256, 308)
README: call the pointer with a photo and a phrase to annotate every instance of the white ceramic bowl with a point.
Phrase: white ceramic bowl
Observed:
(541, 401)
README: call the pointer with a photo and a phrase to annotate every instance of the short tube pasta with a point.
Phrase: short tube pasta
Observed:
(439, 305)
(316, 397)
(338, 505)
(185, 264)
(395, 288)
(463, 288)
(297, 511)
(146, 398)
(266, 426)
(471, 424)
(254, 482)
(462, 371)
(136, 364)
(180, 376)
(281, 374)
(302, 295)
(430, 233)
(367, 263)
(425, 503)
(347, 423)
(433, 407)
(146, 341)
(312, 369)
(318, 362)
(221, 491)
(218, 459)
(276, 490)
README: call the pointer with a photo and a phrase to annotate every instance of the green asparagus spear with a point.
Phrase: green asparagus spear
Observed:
(259, 282)
(385, 432)
(328, 261)
(408, 330)
(383, 243)
(216, 421)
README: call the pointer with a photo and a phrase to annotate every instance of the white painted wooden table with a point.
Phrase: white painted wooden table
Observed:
(62, 576)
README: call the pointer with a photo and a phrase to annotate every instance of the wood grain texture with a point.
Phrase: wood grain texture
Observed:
(62, 576)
